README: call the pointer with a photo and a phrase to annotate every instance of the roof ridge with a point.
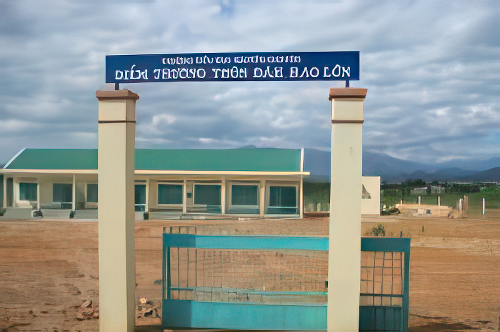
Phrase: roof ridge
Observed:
(13, 158)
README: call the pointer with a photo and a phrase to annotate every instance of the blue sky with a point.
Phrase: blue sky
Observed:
(432, 70)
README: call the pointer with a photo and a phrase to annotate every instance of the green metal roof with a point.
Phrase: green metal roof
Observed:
(263, 160)
(54, 159)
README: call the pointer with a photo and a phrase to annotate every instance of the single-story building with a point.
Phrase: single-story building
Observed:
(261, 182)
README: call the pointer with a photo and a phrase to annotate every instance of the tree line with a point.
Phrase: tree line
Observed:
(405, 188)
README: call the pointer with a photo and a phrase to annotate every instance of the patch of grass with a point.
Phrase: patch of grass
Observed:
(378, 230)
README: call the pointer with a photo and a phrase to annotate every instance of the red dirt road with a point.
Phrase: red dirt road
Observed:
(49, 268)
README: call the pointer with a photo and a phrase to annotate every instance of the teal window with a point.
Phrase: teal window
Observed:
(283, 196)
(28, 191)
(140, 197)
(62, 192)
(169, 194)
(140, 194)
(244, 195)
(92, 193)
(207, 194)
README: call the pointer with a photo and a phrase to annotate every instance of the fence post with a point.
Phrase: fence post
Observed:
(461, 207)
(344, 256)
(406, 290)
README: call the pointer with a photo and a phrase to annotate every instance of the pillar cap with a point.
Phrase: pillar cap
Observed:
(347, 93)
(116, 94)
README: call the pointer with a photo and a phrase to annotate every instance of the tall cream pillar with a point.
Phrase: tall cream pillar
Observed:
(116, 210)
(223, 195)
(148, 188)
(4, 191)
(15, 191)
(184, 196)
(73, 194)
(262, 198)
(344, 258)
(38, 195)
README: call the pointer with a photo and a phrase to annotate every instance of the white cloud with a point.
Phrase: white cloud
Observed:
(163, 119)
(431, 68)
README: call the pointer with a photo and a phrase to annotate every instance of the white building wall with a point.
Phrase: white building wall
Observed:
(371, 205)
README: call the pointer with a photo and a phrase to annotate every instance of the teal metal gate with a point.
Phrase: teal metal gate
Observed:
(275, 282)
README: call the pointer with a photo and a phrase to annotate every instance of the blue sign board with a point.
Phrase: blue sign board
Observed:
(258, 66)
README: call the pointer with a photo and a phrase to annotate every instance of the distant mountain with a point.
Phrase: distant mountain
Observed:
(390, 167)
(317, 162)
(248, 147)
(472, 164)
(394, 170)
(492, 174)
(452, 173)
(443, 174)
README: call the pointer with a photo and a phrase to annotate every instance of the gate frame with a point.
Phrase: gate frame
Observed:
(202, 314)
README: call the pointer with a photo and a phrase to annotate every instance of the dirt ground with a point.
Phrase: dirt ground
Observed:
(49, 268)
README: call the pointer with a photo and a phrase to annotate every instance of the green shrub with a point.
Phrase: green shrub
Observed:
(378, 230)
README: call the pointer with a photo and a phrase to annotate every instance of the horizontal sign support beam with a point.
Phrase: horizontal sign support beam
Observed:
(227, 67)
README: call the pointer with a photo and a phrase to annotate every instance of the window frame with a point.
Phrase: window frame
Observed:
(87, 192)
(169, 184)
(62, 183)
(268, 200)
(206, 184)
(36, 191)
(141, 206)
(254, 184)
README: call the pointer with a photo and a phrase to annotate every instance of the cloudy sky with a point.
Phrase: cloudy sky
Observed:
(432, 70)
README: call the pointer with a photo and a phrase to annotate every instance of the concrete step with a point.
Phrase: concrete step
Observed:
(86, 214)
(56, 213)
(17, 213)
(165, 215)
